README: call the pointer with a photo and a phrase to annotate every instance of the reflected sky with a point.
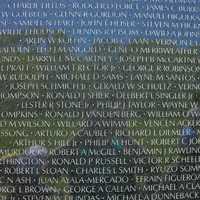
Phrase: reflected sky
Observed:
(120, 21)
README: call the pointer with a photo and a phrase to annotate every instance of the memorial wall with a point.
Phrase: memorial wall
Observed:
(99, 100)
